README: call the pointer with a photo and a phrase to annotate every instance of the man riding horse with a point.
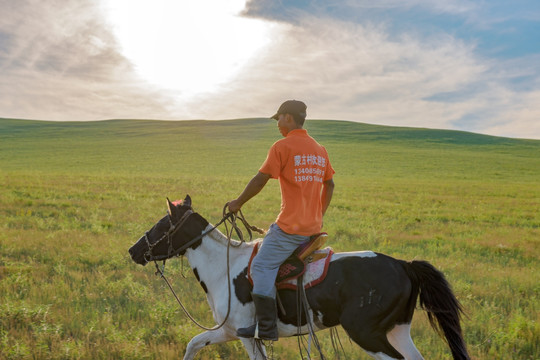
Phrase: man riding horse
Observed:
(306, 181)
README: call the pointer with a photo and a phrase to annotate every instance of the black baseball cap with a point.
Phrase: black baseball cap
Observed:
(293, 107)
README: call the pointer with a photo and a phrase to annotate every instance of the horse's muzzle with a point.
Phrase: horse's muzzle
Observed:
(137, 252)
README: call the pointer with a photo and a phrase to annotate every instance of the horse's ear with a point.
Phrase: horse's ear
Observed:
(171, 208)
(187, 201)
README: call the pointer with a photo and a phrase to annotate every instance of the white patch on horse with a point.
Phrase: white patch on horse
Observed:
(363, 254)
(210, 259)
(400, 338)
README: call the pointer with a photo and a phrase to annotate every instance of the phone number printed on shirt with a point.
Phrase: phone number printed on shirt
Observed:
(309, 168)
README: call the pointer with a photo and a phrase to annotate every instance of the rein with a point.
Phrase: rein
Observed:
(227, 217)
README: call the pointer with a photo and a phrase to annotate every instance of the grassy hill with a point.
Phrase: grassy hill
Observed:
(76, 195)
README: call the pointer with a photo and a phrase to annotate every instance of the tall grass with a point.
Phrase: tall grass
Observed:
(75, 196)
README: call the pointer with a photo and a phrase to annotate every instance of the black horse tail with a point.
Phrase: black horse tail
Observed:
(438, 300)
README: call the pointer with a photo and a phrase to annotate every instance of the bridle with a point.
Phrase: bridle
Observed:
(174, 227)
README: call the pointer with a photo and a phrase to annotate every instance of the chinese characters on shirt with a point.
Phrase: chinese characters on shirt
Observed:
(309, 168)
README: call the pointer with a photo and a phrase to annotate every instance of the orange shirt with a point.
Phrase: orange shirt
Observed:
(301, 165)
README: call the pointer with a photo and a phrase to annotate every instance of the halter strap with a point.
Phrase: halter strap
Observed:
(149, 256)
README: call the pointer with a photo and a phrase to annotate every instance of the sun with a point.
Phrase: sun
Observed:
(190, 46)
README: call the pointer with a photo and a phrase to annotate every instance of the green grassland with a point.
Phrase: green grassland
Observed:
(74, 196)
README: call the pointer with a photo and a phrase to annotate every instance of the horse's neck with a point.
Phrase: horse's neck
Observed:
(211, 255)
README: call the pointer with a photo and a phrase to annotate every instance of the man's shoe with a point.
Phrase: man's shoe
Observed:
(266, 314)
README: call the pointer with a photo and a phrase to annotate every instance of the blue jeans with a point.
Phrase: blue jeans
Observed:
(276, 247)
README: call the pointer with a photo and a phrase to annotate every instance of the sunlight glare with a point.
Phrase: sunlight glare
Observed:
(189, 46)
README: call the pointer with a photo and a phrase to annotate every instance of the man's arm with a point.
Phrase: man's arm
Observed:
(326, 194)
(252, 188)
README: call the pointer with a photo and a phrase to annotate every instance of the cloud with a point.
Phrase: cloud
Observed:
(57, 37)
(357, 72)
(59, 61)
(365, 10)
(512, 104)
(448, 6)
(354, 72)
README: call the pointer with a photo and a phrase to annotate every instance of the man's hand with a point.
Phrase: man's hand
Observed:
(234, 205)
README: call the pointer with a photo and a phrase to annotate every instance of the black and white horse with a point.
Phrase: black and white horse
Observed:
(372, 296)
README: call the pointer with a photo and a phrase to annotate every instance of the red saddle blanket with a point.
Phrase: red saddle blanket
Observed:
(314, 272)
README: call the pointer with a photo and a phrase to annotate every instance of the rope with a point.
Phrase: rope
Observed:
(336, 340)
(303, 305)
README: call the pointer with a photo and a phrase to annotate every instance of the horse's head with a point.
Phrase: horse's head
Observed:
(170, 236)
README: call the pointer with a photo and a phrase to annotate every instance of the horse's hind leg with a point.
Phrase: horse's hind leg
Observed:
(369, 338)
(400, 338)
(397, 344)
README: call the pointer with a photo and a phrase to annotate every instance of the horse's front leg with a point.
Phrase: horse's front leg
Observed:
(255, 349)
(207, 338)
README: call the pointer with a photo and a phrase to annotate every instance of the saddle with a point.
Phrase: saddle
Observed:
(306, 259)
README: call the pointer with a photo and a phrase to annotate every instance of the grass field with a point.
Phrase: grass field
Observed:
(75, 196)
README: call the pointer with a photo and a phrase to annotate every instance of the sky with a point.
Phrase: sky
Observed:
(453, 64)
